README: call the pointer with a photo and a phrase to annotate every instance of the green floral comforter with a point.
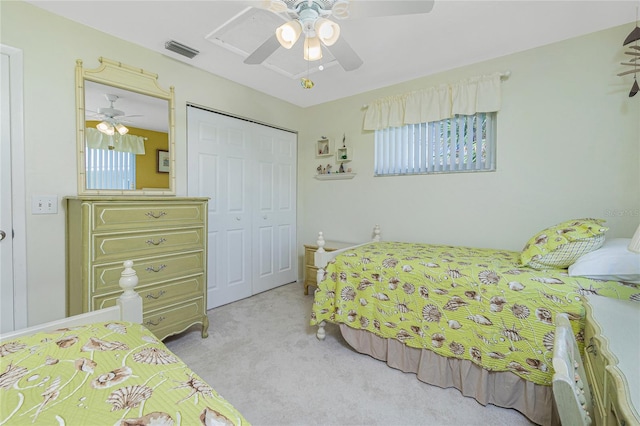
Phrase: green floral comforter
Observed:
(114, 373)
(474, 304)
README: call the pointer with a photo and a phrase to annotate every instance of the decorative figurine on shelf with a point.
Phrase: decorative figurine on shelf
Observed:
(344, 140)
(349, 170)
(319, 169)
(341, 170)
(328, 168)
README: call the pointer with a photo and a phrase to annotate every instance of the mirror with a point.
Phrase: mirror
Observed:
(125, 131)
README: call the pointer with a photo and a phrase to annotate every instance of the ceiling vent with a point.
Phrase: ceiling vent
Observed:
(181, 49)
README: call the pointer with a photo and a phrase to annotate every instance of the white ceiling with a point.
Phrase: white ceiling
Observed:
(394, 49)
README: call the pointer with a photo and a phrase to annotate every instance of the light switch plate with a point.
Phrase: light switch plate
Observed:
(44, 204)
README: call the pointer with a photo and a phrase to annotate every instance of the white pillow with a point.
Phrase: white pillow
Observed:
(611, 262)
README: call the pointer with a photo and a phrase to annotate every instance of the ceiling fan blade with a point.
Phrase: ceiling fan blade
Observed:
(370, 9)
(345, 55)
(265, 50)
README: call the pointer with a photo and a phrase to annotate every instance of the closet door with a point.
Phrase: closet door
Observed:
(218, 168)
(274, 223)
(249, 173)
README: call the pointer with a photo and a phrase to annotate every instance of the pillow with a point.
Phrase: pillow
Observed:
(561, 245)
(612, 262)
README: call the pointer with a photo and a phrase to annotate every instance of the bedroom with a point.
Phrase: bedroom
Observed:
(586, 170)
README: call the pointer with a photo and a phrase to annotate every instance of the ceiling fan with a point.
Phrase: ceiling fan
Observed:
(314, 20)
(112, 118)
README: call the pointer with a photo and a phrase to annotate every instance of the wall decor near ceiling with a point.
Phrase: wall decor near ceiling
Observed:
(634, 61)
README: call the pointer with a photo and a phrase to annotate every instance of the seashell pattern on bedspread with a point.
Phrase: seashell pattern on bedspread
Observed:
(480, 305)
(113, 373)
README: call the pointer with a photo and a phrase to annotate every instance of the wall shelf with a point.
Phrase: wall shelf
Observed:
(343, 155)
(324, 148)
(335, 176)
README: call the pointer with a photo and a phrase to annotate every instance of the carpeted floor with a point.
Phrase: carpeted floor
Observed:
(263, 357)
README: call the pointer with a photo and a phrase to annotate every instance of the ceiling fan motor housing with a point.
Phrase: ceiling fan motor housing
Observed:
(110, 111)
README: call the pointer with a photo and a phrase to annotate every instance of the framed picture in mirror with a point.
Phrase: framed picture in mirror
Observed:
(163, 161)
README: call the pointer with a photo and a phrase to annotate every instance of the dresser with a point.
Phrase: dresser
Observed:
(612, 359)
(166, 239)
(310, 270)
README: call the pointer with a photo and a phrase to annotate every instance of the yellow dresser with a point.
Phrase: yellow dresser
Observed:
(167, 240)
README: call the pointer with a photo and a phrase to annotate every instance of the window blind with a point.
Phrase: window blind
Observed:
(462, 143)
(110, 169)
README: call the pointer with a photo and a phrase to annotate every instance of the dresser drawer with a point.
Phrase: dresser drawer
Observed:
(597, 364)
(105, 277)
(310, 274)
(159, 295)
(308, 255)
(139, 215)
(132, 245)
(171, 320)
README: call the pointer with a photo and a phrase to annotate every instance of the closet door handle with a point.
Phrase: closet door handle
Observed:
(2, 235)
(237, 217)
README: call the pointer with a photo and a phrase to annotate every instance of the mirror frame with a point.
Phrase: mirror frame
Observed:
(125, 77)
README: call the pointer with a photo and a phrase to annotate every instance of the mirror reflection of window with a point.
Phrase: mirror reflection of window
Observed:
(110, 169)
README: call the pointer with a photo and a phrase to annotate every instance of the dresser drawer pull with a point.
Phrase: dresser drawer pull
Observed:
(154, 269)
(156, 215)
(160, 241)
(153, 324)
(158, 295)
(592, 348)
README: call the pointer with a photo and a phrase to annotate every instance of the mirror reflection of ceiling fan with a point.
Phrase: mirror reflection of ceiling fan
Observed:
(313, 19)
(111, 117)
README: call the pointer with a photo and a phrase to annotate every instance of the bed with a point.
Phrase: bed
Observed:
(103, 367)
(475, 319)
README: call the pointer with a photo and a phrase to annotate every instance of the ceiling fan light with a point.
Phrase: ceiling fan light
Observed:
(276, 6)
(340, 9)
(328, 31)
(122, 129)
(289, 33)
(106, 128)
(312, 49)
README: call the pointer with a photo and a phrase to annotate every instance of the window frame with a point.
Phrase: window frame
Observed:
(387, 152)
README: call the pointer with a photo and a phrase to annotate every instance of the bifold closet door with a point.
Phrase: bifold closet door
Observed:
(248, 172)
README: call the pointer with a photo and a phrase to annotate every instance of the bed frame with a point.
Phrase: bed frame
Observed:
(128, 308)
(322, 258)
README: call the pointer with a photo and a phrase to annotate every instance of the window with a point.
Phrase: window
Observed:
(463, 143)
(110, 169)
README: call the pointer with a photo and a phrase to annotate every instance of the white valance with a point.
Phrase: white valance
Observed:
(466, 97)
(124, 143)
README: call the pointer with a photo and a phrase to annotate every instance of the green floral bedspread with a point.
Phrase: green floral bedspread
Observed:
(474, 304)
(114, 373)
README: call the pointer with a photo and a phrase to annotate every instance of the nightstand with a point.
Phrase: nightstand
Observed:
(310, 270)
(612, 339)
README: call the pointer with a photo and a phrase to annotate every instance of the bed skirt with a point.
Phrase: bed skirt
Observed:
(503, 389)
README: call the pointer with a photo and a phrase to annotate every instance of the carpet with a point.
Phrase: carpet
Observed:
(264, 358)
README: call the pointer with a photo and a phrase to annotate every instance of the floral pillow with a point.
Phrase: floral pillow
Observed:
(561, 245)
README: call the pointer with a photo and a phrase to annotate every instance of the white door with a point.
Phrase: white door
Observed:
(274, 215)
(13, 302)
(6, 223)
(239, 165)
